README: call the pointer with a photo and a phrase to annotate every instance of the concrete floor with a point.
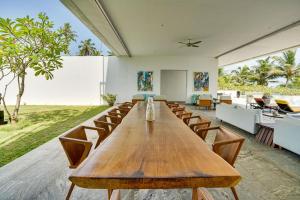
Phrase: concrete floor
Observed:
(267, 173)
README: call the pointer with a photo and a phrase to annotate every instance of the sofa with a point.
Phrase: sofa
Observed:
(238, 116)
(287, 133)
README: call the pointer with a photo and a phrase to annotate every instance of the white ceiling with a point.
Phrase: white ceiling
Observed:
(153, 27)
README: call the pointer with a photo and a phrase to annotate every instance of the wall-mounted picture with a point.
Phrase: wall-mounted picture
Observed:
(201, 81)
(145, 80)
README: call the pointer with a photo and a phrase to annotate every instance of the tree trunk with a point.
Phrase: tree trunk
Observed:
(286, 82)
(6, 110)
(21, 87)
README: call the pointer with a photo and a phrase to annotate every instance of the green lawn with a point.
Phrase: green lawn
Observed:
(39, 124)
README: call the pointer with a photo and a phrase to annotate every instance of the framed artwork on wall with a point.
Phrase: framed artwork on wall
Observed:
(145, 81)
(201, 81)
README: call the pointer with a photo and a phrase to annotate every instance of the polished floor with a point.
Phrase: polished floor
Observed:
(267, 173)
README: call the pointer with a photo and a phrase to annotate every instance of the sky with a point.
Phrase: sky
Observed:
(56, 12)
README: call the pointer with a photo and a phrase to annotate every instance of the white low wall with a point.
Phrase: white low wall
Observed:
(77, 83)
(122, 73)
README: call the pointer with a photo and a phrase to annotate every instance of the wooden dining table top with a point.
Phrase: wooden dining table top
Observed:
(162, 154)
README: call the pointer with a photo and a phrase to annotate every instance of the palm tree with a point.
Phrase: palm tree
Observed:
(264, 72)
(241, 75)
(87, 48)
(287, 67)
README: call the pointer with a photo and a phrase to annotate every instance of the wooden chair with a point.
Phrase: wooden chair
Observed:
(227, 145)
(177, 109)
(108, 123)
(127, 105)
(172, 105)
(77, 147)
(183, 114)
(123, 109)
(196, 121)
(205, 103)
(205, 100)
(116, 112)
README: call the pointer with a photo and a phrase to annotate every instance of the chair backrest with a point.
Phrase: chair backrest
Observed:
(108, 122)
(227, 145)
(177, 109)
(198, 129)
(123, 109)
(117, 113)
(172, 105)
(76, 146)
(128, 104)
(283, 105)
(184, 115)
(260, 102)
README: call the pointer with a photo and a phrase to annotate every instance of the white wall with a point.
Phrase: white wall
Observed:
(77, 83)
(122, 73)
(173, 84)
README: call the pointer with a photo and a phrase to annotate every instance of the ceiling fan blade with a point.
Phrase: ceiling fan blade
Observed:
(197, 42)
(181, 43)
(194, 45)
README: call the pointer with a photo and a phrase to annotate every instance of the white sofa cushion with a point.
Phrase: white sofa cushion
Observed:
(287, 133)
(240, 117)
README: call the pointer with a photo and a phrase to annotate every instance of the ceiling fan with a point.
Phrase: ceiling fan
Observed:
(190, 43)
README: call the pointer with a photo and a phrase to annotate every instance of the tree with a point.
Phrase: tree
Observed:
(286, 66)
(87, 48)
(295, 83)
(27, 43)
(241, 76)
(264, 72)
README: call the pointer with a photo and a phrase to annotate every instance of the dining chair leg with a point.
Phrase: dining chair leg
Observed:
(234, 193)
(109, 192)
(115, 195)
(195, 194)
(70, 191)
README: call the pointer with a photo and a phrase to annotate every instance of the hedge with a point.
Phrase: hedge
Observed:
(263, 89)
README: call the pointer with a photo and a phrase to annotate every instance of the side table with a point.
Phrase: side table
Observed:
(265, 133)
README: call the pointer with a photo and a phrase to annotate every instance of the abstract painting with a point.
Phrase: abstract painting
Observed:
(201, 81)
(145, 81)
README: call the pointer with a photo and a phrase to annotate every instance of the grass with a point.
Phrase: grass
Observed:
(39, 124)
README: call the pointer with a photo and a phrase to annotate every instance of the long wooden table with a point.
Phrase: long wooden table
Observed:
(163, 154)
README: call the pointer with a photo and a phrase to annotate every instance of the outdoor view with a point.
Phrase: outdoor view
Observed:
(31, 41)
(274, 74)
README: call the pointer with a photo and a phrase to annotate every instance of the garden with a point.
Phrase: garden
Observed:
(273, 75)
(35, 44)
